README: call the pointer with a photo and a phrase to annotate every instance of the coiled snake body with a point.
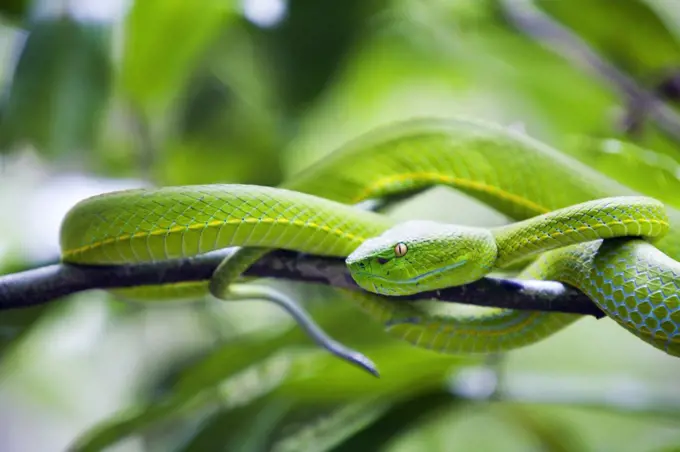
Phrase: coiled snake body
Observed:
(561, 206)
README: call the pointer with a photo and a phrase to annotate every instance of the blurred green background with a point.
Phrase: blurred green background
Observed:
(98, 95)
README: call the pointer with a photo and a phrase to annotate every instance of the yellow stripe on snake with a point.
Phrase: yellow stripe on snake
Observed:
(563, 211)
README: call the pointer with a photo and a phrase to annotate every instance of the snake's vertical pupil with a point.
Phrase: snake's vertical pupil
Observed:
(400, 249)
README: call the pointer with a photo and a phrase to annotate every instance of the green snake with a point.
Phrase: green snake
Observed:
(559, 205)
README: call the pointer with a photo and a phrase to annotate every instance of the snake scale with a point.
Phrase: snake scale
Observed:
(562, 210)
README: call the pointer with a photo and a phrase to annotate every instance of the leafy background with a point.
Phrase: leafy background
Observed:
(102, 95)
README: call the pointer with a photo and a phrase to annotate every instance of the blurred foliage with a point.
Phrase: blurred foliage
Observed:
(140, 92)
(58, 107)
(14, 9)
(602, 27)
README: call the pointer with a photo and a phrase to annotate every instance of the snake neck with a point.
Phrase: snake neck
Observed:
(632, 216)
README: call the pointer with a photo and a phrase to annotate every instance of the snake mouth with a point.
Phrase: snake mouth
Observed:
(415, 279)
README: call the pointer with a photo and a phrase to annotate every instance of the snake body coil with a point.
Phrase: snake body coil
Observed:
(634, 282)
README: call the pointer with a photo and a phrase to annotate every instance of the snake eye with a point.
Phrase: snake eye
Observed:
(400, 249)
(382, 260)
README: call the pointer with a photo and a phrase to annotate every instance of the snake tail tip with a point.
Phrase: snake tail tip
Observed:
(366, 364)
(374, 371)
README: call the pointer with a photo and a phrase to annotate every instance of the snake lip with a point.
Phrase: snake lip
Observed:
(414, 279)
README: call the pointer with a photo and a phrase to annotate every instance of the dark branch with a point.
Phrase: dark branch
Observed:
(45, 284)
(528, 18)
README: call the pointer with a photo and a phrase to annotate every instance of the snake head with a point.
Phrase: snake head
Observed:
(418, 256)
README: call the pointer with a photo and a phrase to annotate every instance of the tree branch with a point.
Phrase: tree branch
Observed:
(45, 284)
(528, 18)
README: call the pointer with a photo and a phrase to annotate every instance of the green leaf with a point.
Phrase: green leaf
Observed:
(60, 88)
(668, 13)
(14, 9)
(646, 171)
(309, 46)
(244, 429)
(229, 120)
(402, 416)
(550, 434)
(651, 48)
(331, 430)
(239, 390)
(242, 372)
(164, 41)
(17, 322)
(308, 377)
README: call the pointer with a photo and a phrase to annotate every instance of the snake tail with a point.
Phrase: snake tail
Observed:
(316, 333)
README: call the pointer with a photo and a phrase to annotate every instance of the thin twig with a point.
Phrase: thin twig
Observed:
(45, 284)
(524, 15)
